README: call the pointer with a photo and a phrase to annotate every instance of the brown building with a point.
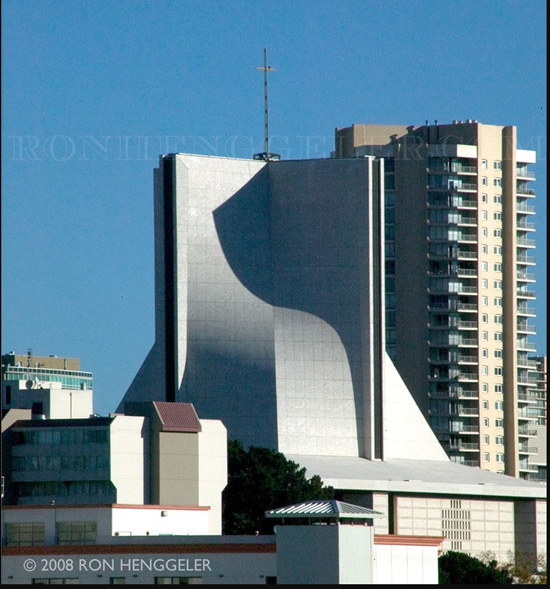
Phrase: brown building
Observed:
(459, 275)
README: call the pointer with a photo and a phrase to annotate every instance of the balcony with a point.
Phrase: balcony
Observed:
(467, 360)
(466, 272)
(467, 324)
(525, 310)
(466, 221)
(522, 242)
(527, 329)
(525, 449)
(525, 294)
(467, 238)
(521, 173)
(527, 398)
(523, 259)
(524, 225)
(466, 204)
(527, 467)
(527, 431)
(526, 346)
(471, 342)
(465, 429)
(467, 306)
(461, 254)
(526, 363)
(522, 191)
(524, 276)
(529, 413)
(466, 447)
(523, 208)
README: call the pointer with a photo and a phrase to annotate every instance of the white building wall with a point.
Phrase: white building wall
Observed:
(471, 526)
(405, 565)
(127, 458)
(212, 471)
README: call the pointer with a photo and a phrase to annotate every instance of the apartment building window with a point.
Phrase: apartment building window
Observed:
(500, 457)
(484, 335)
(498, 318)
(484, 318)
(498, 388)
(486, 457)
(497, 301)
(497, 284)
(498, 371)
(498, 336)
(484, 301)
(484, 266)
(497, 182)
(498, 353)
(497, 199)
(485, 387)
(56, 581)
(484, 283)
(497, 267)
(499, 422)
(27, 534)
(497, 165)
(497, 250)
(485, 353)
(485, 370)
(484, 181)
(486, 406)
(486, 440)
(484, 232)
(499, 440)
(498, 405)
(72, 533)
(484, 215)
(483, 164)
(497, 216)
(483, 198)
(485, 422)
(484, 249)
(497, 233)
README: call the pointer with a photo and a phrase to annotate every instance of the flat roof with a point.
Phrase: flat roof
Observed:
(416, 476)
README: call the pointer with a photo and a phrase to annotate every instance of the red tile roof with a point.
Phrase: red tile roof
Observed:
(177, 417)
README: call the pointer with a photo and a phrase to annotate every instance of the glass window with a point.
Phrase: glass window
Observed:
(498, 353)
(499, 440)
(497, 216)
(497, 182)
(483, 198)
(25, 534)
(497, 199)
(497, 284)
(483, 181)
(486, 457)
(497, 267)
(485, 353)
(497, 165)
(498, 388)
(500, 457)
(484, 266)
(485, 422)
(484, 283)
(483, 232)
(498, 318)
(499, 423)
(484, 301)
(76, 532)
(483, 164)
(486, 406)
(498, 371)
(485, 387)
(484, 318)
(498, 301)
(485, 370)
(484, 215)
(483, 249)
(497, 233)
(498, 405)
(484, 336)
(486, 440)
(497, 250)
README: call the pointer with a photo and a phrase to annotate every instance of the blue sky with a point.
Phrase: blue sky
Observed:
(94, 91)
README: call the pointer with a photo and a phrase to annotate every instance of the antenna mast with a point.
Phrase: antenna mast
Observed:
(266, 155)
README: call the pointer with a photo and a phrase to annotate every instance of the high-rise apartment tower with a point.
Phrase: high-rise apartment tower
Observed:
(459, 277)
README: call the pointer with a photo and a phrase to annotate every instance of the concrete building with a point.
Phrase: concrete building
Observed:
(161, 455)
(459, 276)
(269, 316)
(46, 385)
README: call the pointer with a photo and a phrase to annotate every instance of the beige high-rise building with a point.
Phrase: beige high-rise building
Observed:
(459, 276)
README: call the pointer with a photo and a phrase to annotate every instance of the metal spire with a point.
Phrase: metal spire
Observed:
(266, 155)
